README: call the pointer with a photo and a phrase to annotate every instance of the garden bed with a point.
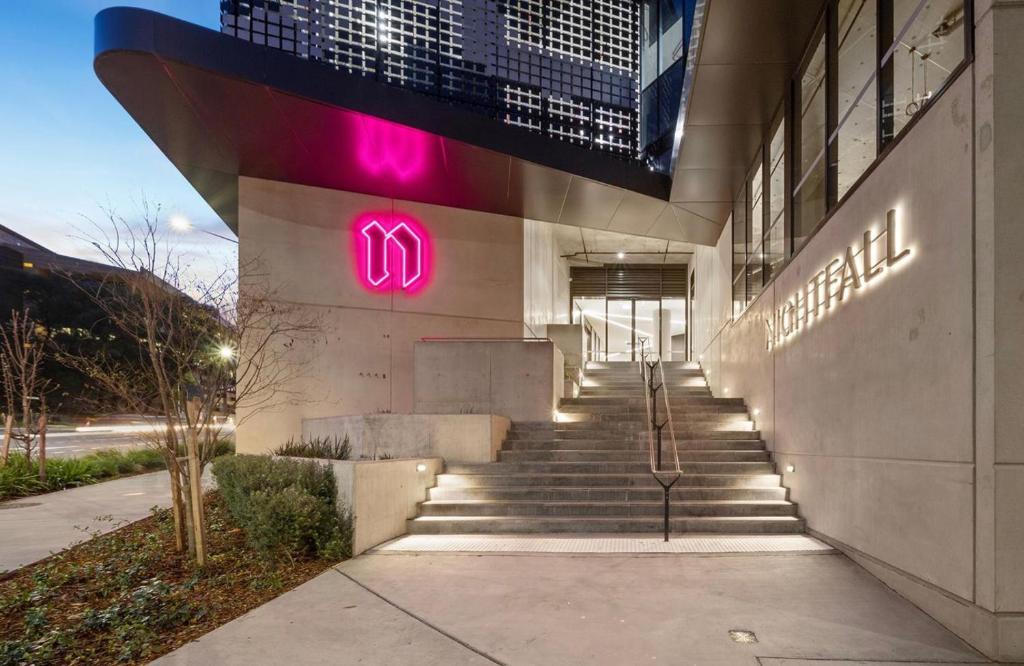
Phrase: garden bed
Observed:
(126, 597)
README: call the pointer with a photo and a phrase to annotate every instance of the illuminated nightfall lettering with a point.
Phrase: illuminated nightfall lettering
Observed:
(384, 252)
(834, 284)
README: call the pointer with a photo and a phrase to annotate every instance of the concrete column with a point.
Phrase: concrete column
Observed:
(999, 320)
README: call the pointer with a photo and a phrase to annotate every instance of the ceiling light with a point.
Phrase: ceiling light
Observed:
(621, 255)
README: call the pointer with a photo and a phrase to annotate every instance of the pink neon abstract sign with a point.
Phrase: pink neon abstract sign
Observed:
(391, 254)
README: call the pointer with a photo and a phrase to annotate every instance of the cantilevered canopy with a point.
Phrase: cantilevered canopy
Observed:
(220, 107)
(746, 53)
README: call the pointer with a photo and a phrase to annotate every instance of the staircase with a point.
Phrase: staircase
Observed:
(589, 471)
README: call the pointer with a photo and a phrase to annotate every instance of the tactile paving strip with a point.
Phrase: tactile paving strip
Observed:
(430, 543)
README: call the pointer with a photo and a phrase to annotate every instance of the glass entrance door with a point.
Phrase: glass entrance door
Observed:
(630, 322)
(620, 329)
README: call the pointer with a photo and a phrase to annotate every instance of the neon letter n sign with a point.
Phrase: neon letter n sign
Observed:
(397, 253)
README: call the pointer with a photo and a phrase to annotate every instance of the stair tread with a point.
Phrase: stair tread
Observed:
(468, 502)
(604, 519)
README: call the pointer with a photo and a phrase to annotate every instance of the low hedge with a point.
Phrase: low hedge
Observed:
(287, 508)
(19, 477)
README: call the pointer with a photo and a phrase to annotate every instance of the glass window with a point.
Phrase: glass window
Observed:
(858, 96)
(671, 32)
(755, 275)
(930, 48)
(775, 239)
(648, 43)
(774, 249)
(809, 195)
(739, 252)
(756, 205)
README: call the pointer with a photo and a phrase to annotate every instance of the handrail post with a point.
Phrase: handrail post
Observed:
(666, 489)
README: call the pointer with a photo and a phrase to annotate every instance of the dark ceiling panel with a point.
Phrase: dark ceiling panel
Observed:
(748, 50)
(757, 31)
(763, 90)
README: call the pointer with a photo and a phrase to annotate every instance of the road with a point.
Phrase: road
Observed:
(75, 444)
(71, 444)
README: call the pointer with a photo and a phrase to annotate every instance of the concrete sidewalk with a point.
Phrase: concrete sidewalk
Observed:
(35, 527)
(584, 609)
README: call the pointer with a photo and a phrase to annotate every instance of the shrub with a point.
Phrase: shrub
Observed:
(64, 473)
(332, 448)
(287, 508)
(19, 477)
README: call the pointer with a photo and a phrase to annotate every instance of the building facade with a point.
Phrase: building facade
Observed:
(814, 200)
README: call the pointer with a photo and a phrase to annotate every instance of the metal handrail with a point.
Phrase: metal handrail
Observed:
(655, 448)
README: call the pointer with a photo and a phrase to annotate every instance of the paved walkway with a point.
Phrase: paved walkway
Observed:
(35, 527)
(516, 608)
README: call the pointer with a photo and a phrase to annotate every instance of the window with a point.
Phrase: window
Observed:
(929, 45)
(871, 66)
(858, 91)
(809, 197)
(739, 253)
(775, 237)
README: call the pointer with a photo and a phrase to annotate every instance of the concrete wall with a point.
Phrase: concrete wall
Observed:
(301, 236)
(515, 379)
(569, 340)
(545, 279)
(462, 438)
(905, 456)
(382, 495)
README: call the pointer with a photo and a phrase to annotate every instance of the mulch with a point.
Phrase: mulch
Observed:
(127, 597)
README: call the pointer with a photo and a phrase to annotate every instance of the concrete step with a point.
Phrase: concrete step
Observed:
(639, 410)
(641, 455)
(594, 524)
(611, 444)
(592, 494)
(637, 382)
(605, 468)
(629, 390)
(629, 435)
(640, 418)
(619, 481)
(617, 509)
(638, 401)
(619, 365)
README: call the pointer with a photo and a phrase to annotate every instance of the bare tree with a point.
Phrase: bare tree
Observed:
(197, 343)
(22, 351)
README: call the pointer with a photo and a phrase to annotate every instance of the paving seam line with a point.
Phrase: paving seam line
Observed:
(422, 621)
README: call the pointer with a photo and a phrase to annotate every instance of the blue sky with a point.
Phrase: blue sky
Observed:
(67, 147)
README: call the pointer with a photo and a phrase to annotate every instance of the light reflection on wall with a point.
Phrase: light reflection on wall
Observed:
(390, 149)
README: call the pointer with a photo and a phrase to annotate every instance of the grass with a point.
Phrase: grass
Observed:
(20, 478)
(126, 597)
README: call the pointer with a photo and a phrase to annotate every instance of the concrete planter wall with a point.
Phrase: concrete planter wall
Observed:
(382, 495)
(521, 380)
(463, 438)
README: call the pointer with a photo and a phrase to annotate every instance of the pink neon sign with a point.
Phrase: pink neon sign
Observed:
(391, 254)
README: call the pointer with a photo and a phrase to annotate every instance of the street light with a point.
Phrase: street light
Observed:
(180, 224)
(226, 352)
